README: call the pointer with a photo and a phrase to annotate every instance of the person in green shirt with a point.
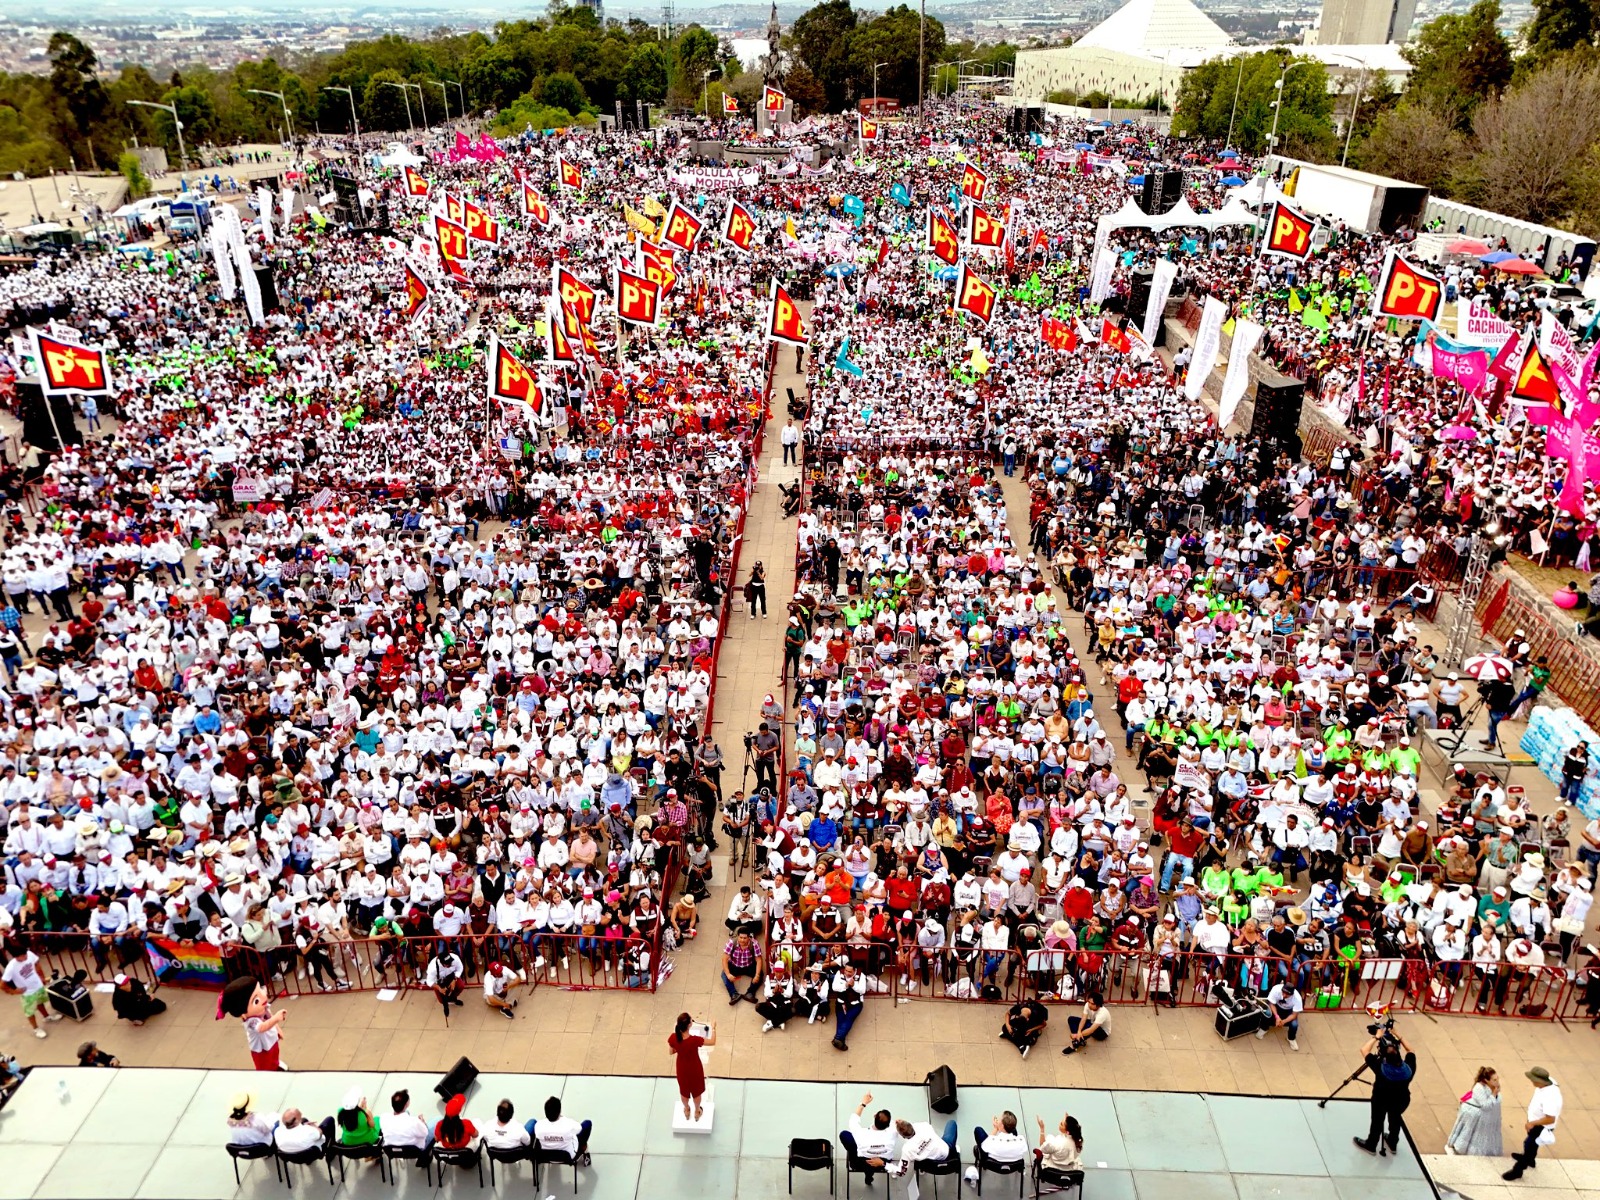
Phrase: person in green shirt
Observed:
(354, 1121)
(1246, 878)
(1337, 743)
(1404, 759)
(1214, 880)
(1375, 759)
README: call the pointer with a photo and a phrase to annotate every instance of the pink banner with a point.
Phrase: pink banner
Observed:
(1469, 369)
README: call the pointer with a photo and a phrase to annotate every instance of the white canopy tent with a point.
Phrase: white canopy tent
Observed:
(1131, 216)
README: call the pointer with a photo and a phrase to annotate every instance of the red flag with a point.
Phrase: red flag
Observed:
(729, 104)
(1533, 382)
(681, 227)
(417, 293)
(942, 239)
(638, 298)
(573, 293)
(868, 130)
(974, 183)
(453, 209)
(656, 264)
(783, 318)
(533, 205)
(558, 348)
(1058, 335)
(1408, 292)
(509, 381)
(416, 185)
(974, 296)
(1289, 232)
(982, 229)
(1116, 338)
(738, 226)
(883, 251)
(452, 239)
(480, 225)
(68, 367)
(571, 174)
(773, 99)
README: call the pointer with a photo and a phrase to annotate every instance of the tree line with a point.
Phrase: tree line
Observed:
(1512, 126)
(562, 67)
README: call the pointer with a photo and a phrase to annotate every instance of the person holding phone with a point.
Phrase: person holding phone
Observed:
(684, 1045)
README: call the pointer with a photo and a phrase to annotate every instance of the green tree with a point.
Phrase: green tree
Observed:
(808, 94)
(1458, 61)
(695, 53)
(1413, 142)
(645, 76)
(822, 39)
(384, 107)
(133, 171)
(892, 39)
(1559, 25)
(195, 110)
(77, 87)
(562, 90)
(1206, 104)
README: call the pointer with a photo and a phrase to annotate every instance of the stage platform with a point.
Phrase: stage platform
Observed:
(159, 1133)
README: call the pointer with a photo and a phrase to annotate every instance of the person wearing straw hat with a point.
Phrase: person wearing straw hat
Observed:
(1544, 1111)
(246, 1127)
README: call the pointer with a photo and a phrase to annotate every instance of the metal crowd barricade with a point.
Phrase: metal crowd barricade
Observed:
(897, 972)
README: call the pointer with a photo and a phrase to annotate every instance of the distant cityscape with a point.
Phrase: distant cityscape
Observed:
(122, 35)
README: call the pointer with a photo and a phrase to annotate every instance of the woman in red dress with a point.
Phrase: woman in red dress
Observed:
(685, 1047)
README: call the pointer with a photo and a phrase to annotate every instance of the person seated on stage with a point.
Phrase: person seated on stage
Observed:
(1060, 1153)
(1025, 1023)
(402, 1127)
(246, 1127)
(507, 1133)
(498, 983)
(563, 1134)
(1001, 1142)
(454, 1132)
(132, 1001)
(296, 1133)
(356, 1124)
(872, 1144)
(1094, 1023)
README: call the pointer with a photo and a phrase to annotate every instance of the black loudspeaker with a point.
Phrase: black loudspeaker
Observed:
(457, 1080)
(1277, 417)
(269, 289)
(1162, 190)
(1032, 120)
(942, 1090)
(644, 114)
(37, 428)
(1139, 292)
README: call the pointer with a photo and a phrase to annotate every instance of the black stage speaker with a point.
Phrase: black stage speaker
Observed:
(37, 429)
(457, 1080)
(644, 114)
(1277, 417)
(942, 1090)
(1162, 190)
(1032, 120)
(269, 289)
(1139, 293)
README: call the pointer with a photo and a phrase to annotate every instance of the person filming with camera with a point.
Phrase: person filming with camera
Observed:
(1393, 1065)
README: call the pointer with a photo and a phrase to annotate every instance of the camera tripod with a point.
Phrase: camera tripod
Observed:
(1346, 1082)
(1466, 724)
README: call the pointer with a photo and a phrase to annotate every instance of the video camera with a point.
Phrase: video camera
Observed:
(749, 741)
(1383, 1029)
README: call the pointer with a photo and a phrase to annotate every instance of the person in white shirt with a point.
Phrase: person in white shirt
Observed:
(296, 1134)
(506, 1133)
(404, 1128)
(498, 983)
(1001, 1142)
(21, 978)
(1285, 1004)
(559, 1134)
(247, 1127)
(921, 1142)
(872, 1144)
(1544, 1110)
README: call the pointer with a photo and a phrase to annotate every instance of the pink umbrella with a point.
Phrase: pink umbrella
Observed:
(1466, 246)
(1519, 266)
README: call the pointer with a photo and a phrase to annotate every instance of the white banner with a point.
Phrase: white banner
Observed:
(1477, 326)
(1105, 263)
(1557, 346)
(264, 203)
(1207, 342)
(714, 179)
(1160, 289)
(227, 285)
(1246, 336)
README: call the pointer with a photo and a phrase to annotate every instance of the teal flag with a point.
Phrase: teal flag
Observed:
(842, 361)
(901, 195)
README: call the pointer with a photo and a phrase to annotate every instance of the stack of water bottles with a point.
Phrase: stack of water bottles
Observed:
(1550, 734)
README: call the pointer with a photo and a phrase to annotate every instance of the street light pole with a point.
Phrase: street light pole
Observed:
(446, 92)
(288, 120)
(1355, 107)
(1277, 110)
(875, 67)
(922, 54)
(354, 123)
(177, 124)
(705, 91)
(1237, 84)
(405, 90)
(422, 100)
(462, 92)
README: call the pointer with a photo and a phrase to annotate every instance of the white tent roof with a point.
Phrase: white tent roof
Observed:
(1156, 25)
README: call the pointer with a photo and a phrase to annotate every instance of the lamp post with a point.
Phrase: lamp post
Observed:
(446, 91)
(462, 93)
(1355, 103)
(177, 124)
(1237, 84)
(421, 100)
(350, 96)
(405, 90)
(288, 120)
(922, 54)
(875, 67)
(1277, 111)
(705, 89)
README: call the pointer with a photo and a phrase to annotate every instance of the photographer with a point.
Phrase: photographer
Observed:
(1393, 1065)
(765, 748)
